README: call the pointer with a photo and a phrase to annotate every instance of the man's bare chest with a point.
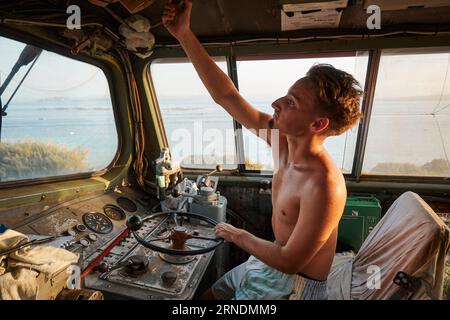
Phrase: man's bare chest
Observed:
(287, 195)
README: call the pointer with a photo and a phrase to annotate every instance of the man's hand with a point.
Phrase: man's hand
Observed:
(227, 232)
(176, 18)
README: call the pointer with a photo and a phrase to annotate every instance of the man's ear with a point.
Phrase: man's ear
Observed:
(319, 125)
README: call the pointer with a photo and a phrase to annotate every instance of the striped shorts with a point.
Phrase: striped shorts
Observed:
(254, 280)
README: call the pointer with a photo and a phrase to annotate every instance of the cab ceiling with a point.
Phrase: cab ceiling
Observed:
(233, 19)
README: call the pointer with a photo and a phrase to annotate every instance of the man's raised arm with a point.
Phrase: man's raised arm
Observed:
(218, 84)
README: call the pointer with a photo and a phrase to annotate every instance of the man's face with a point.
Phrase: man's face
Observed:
(295, 113)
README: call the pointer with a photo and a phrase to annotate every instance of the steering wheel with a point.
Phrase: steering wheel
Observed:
(178, 235)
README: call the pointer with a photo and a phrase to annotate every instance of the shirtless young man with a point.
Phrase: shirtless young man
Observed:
(309, 191)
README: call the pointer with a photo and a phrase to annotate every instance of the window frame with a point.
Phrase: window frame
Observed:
(367, 117)
(324, 54)
(373, 47)
(150, 81)
(102, 65)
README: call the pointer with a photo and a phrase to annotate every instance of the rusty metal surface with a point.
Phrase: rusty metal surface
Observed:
(79, 294)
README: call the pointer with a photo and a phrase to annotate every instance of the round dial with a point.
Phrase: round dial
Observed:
(92, 236)
(84, 242)
(97, 222)
(114, 212)
(80, 227)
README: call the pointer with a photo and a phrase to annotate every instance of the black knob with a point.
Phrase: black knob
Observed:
(102, 267)
(134, 223)
(168, 277)
(265, 184)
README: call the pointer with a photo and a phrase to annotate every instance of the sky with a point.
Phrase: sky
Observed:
(53, 76)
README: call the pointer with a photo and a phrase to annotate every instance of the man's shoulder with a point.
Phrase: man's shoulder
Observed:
(326, 171)
(328, 182)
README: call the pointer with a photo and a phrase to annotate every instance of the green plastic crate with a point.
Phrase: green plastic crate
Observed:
(361, 214)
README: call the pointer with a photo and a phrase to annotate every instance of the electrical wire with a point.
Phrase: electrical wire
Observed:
(443, 87)
(119, 19)
(442, 140)
(60, 25)
(140, 164)
(75, 86)
(302, 39)
(442, 109)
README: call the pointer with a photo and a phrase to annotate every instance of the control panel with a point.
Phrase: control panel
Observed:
(129, 270)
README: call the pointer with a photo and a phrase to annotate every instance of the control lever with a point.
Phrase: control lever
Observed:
(218, 169)
(104, 253)
(108, 269)
(204, 181)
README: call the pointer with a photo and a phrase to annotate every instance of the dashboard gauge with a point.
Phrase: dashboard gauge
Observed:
(114, 212)
(92, 236)
(98, 222)
(84, 242)
(80, 227)
(127, 204)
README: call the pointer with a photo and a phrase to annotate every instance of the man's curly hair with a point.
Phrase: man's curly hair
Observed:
(339, 95)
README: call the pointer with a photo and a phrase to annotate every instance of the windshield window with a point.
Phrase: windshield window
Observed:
(262, 81)
(59, 122)
(409, 130)
(200, 132)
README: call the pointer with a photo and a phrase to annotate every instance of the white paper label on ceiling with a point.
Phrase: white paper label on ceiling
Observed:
(295, 7)
(316, 20)
(314, 15)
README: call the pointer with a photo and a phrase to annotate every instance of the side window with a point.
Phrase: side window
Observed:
(409, 131)
(59, 122)
(263, 81)
(200, 132)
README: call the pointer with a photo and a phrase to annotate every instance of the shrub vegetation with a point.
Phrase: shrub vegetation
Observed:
(30, 159)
